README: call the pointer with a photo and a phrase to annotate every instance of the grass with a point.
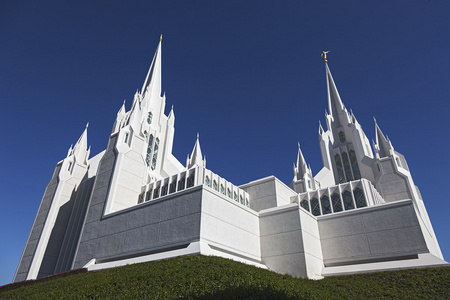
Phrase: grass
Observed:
(204, 277)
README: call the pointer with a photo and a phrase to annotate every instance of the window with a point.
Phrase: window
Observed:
(342, 137)
(398, 161)
(348, 171)
(222, 189)
(326, 207)
(145, 134)
(315, 209)
(348, 201)
(246, 202)
(305, 204)
(155, 153)
(215, 187)
(181, 184)
(228, 193)
(70, 166)
(309, 184)
(141, 198)
(235, 196)
(149, 118)
(126, 137)
(355, 166)
(149, 194)
(241, 199)
(156, 193)
(207, 182)
(359, 198)
(336, 202)
(190, 182)
(149, 150)
(164, 190)
(337, 158)
(173, 187)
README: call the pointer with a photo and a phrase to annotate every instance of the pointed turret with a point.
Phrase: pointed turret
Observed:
(152, 83)
(383, 145)
(196, 156)
(335, 105)
(80, 149)
(301, 168)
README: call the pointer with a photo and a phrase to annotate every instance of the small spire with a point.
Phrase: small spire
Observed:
(87, 125)
(383, 144)
(320, 128)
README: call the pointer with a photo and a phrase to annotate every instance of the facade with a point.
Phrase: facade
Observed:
(136, 202)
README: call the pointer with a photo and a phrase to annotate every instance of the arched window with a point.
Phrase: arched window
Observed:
(222, 189)
(190, 181)
(348, 171)
(149, 150)
(359, 198)
(305, 204)
(326, 207)
(207, 182)
(337, 158)
(228, 193)
(355, 166)
(155, 153)
(215, 187)
(336, 201)
(241, 199)
(315, 209)
(149, 118)
(342, 136)
(348, 201)
(235, 196)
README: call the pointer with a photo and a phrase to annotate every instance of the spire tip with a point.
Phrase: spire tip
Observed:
(160, 38)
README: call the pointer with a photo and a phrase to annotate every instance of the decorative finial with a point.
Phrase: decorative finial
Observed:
(375, 120)
(160, 38)
(87, 125)
(324, 55)
(197, 135)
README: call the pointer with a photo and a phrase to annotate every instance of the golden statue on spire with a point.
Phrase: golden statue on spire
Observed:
(160, 38)
(324, 55)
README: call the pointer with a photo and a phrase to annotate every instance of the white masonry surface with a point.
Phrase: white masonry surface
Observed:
(136, 202)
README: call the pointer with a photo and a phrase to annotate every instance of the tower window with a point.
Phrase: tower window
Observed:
(190, 182)
(309, 183)
(336, 201)
(355, 166)
(126, 137)
(359, 198)
(315, 209)
(348, 201)
(305, 204)
(326, 207)
(207, 182)
(348, 171)
(342, 137)
(149, 118)
(149, 150)
(337, 158)
(155, 153)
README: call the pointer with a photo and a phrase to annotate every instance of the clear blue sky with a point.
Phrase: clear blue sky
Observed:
(247, 75)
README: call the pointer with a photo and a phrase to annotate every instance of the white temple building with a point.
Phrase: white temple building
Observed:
(136, 202)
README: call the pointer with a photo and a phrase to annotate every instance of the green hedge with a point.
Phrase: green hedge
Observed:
(203, 277)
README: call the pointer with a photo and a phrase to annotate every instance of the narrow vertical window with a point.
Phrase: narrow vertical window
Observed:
(155, 153)
(336, 201)
(340, 171)
(305, 204)
(309, 184)
(348, 201)
(222, 189)
(398, 161)
(235, 196)
(156, 193)
(149, 194)
(228, 193)
(326, 207)
(181, 184)
(141, 198)
(355, 166)
(207, 182)
(215, 187)
(70, 166)
(241, 199)
(315, 209)
(246, 202)
(125, 140)
(149, 118)
(342, 137)
(173, 187)
(149, 150)
(348, 171)
(190, 181)
(359, 198)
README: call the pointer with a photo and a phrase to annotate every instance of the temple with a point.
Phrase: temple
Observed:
(136, 202)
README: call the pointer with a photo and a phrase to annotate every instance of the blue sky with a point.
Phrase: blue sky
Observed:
(247, 75)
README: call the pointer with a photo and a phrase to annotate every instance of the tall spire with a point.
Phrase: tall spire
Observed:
(80, 149)
(196, 156)
(153, 80)
(384, 145)
(335, 105)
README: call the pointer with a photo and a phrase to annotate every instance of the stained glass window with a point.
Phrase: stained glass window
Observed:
(305, 204)
(326, 207)
(181, 184)
(348, 171)
(241, 199)
(336, 201)
(359, 198)
(337, 158)
(315, 209)
(215, 187)
(156, 193)
(173, 187)
(155, 153)
(222, 189)
(149, 150)
(164, 190)
(149, 118)
(355, 166)
(190, 182)
(348, 201)
(228, 193)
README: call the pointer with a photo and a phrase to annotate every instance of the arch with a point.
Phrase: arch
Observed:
(315, 208)
(326, 207)
(340, 171)
(359, 198)
(348, 201)
(336, 202)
